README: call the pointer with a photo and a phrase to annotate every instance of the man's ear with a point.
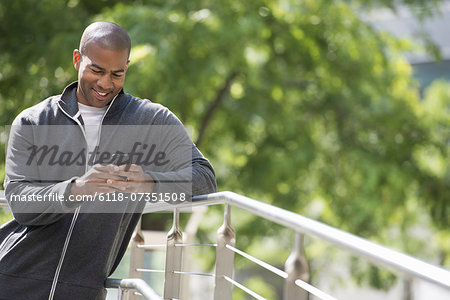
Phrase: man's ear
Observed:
(76, 59)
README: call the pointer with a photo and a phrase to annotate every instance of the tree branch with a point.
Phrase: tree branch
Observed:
(221, 93)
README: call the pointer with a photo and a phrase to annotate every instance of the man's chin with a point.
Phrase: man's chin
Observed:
(99, 103)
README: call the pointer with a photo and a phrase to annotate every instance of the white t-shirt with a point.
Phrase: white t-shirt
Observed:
(92, 116)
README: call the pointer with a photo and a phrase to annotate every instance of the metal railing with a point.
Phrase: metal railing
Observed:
(295, 273)
(125, 285)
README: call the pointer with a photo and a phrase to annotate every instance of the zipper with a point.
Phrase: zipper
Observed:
(75, 216)
(61, 259)
(99, 133)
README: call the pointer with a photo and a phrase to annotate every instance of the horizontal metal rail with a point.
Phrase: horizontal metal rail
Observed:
(133, 283)
(3, 202)
(376, 253)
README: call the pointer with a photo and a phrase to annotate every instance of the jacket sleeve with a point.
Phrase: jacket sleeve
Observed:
(198, 178)
(33, 201)
(203, 176)
(188, 171)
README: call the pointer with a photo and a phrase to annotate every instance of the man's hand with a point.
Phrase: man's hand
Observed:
(133, 179)
(112, 178)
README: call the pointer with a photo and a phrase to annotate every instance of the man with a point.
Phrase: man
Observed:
(92, 142)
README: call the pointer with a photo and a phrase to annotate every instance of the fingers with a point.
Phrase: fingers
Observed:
(120, 170)
(128, 169)
(130, 173)
(106, 168)
(113, 178)
(103, 173)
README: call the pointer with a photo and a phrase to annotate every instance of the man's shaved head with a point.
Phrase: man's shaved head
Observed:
(107, 35)
(102, 62)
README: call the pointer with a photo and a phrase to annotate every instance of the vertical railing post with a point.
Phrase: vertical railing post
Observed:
(122, 294)
(172, 283)
(189, 237)
(136, 258)
(408, 288)
(223, 289)
(296, 267)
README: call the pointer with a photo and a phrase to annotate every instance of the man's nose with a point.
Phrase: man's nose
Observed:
(105, 82)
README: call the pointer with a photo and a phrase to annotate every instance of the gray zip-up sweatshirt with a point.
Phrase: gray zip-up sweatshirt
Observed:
(57, 250)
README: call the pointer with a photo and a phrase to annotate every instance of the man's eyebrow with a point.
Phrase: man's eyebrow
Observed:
(103, 69)
(98, 67)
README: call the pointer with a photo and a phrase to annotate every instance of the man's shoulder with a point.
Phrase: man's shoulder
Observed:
(35, 114)
(145, 104)
(149, 112)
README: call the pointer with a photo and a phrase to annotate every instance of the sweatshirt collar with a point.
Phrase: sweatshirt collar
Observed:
(69, 103)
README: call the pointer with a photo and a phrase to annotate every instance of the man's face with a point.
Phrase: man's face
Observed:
(101, 74)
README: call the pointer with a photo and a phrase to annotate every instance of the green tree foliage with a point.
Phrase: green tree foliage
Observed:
(298, 103)
(320, 106)
(433, 157)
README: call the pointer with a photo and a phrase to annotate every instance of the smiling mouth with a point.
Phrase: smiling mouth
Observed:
(101, 94)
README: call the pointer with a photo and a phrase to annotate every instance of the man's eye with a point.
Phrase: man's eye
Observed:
(96, 71)
(117, 75)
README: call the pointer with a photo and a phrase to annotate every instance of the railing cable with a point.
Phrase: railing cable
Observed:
(150, 270)
(313, 290)
(195, 245)
(195, 273)
(245, 289)
(150, 246)
(259, 262)
(175, 272)
(302, 284)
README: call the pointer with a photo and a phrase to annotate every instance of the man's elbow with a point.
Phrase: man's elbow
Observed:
(204, 182)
